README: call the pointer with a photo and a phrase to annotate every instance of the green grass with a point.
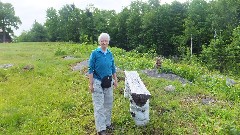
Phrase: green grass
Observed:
(53, 99)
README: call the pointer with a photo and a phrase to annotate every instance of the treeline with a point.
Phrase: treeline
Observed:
(165, 29)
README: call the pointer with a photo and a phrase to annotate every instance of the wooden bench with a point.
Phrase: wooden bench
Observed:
(139, 96)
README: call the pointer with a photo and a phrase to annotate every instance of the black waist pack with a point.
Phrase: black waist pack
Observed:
(106, 81)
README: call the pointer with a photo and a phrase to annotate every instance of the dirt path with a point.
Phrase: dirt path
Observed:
(153, 73)
(80, 66)
(169, 76)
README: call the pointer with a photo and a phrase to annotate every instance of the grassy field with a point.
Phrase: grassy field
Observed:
(40, 94)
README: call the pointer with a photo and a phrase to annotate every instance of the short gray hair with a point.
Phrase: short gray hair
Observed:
(104, 35)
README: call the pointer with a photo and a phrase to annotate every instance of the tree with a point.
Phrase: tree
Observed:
(112, 27)
(196, 24)
(154, 4)
(69, 23)
(52, 24)
(39, 33)
(25, 36)
(8, 19)
(233, 52)
(178, 12)
(162, 27)
(102, 20)
(223, 56)
(150, 27)
(88, 24)
(134, 23)
(224, 16)
(121, 35)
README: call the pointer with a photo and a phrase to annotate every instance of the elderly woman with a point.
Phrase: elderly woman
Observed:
(101, 71)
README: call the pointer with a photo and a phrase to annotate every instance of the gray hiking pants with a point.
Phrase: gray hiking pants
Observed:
(102, 102)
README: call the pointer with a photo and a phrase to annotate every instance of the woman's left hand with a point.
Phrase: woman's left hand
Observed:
(115, 84)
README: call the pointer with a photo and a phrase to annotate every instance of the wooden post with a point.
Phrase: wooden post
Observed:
(158, 64)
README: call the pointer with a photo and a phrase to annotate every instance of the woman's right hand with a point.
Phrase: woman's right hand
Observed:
(91, 88)
(91, 83)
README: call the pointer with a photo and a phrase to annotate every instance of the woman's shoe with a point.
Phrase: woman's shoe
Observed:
(110, 127)
(103, 132)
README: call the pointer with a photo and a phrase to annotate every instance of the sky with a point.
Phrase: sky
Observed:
(30, 10)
